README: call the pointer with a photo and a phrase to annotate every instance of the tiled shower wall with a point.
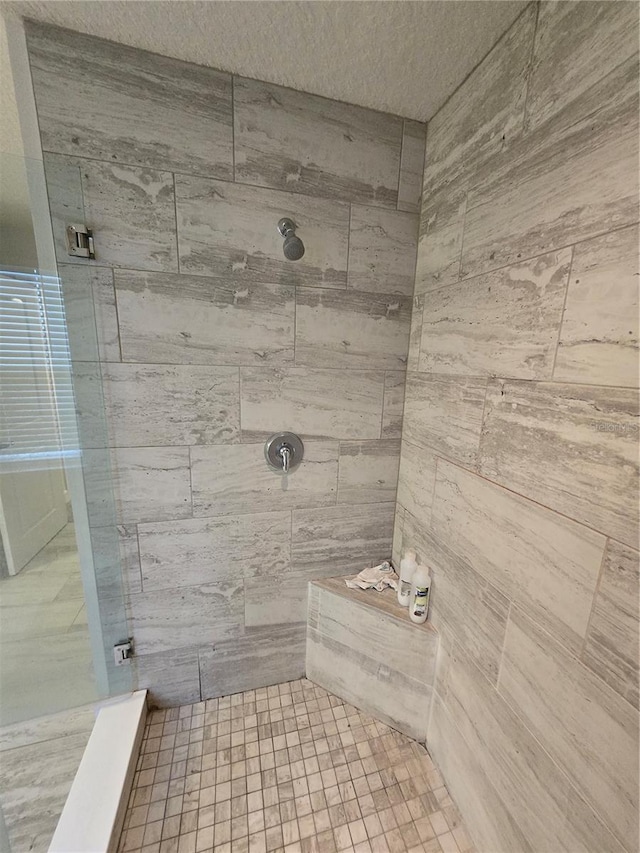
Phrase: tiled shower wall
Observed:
(518, 479)
(211, 341)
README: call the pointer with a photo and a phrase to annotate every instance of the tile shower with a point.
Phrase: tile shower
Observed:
(502, 304)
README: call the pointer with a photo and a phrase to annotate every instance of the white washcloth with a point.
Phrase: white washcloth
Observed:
(377, 577)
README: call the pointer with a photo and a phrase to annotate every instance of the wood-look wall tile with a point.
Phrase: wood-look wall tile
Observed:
(487, 817)
(90, 311)
(162, 404)
(599, 339)
(187, 319)
(543, 561)
(398, 521)
(356, 151)
(238, 479)
(529, 783)
(382, 250)
(368, 471)
(147, 484)
(107, 101)
(575, 47)
(502, 323)
(351, 329)
(416, 480)
(229, 231)
(440, 234)
(262, 657)
(411, 165)
(581, 444)
(473, 608)
(516, 209)
(311, 402)
(341, 540)
(585, 726)
(196, 551)
(584, 830)
(132, 214)
(275, 600)
(483, 116)
(611, 649)
(172, 678)
(445, 413)
(167, 619)
(393, 406)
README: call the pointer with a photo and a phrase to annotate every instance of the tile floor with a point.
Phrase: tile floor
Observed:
(45, 653)
(286, 768)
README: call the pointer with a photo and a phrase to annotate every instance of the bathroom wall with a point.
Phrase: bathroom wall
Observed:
(211, 341)
(518, 478)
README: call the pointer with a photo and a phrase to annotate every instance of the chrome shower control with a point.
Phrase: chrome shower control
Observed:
(284, 451)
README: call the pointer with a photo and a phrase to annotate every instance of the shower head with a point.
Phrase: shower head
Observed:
(293, 247)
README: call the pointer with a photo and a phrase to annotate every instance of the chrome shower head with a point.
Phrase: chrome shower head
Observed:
(293, 247)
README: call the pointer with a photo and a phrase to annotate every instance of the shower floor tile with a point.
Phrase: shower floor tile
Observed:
(286, 768)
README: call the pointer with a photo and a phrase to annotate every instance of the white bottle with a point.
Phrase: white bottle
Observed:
(408, 566)
(420, 592)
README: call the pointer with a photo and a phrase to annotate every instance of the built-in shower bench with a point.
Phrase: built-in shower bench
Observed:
(362, 646)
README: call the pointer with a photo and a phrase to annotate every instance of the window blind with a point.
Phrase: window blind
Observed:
(37, 410)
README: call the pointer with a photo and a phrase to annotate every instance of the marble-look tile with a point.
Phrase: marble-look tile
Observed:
(107, 101)
(167, 619)
(472, 607)
(172, 677)
(66, 203)
(393, 406)
(278, 599)
(147, 483)
(416, 480)
(440, 234)
(398, 523)
(351, 329)
(229, 231)
(67, 723)
(503, 323)
(368, 471)
(587, 728)
(415, 334)
(611, 649)
(90, 310)
(116, 560)
(132, 213)
(411, 165)
(262, 657)
(238, 479)
(487, 817)
(486, 113)
(516, 209)
(341, 540)
(382, 250)
(445, 413)
(342, 657)
(529, 783)
(543, 561)
(308, 144)
(581, 442)
(574, 48)
(584, 830)
(187, 319)
(314, 403)
(196, 551)
(599, 338)
(162, 404)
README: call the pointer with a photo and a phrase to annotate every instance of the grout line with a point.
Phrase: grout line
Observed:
(233, 127)
(596, 592)
(562, 312)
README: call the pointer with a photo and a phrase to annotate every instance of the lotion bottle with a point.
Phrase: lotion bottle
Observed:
(408, 566)
(419, 597)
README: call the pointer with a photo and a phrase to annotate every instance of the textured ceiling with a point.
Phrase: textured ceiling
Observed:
(402, 56)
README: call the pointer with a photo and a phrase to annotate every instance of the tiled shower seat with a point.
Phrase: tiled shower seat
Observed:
(289, 769)
(362, 646)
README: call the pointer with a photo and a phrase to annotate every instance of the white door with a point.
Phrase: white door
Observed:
(32, 510)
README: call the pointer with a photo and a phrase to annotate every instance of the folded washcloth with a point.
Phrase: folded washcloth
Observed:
(377, 577)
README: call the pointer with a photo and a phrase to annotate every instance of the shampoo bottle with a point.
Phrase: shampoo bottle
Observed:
(419, 598)
(408, 566)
